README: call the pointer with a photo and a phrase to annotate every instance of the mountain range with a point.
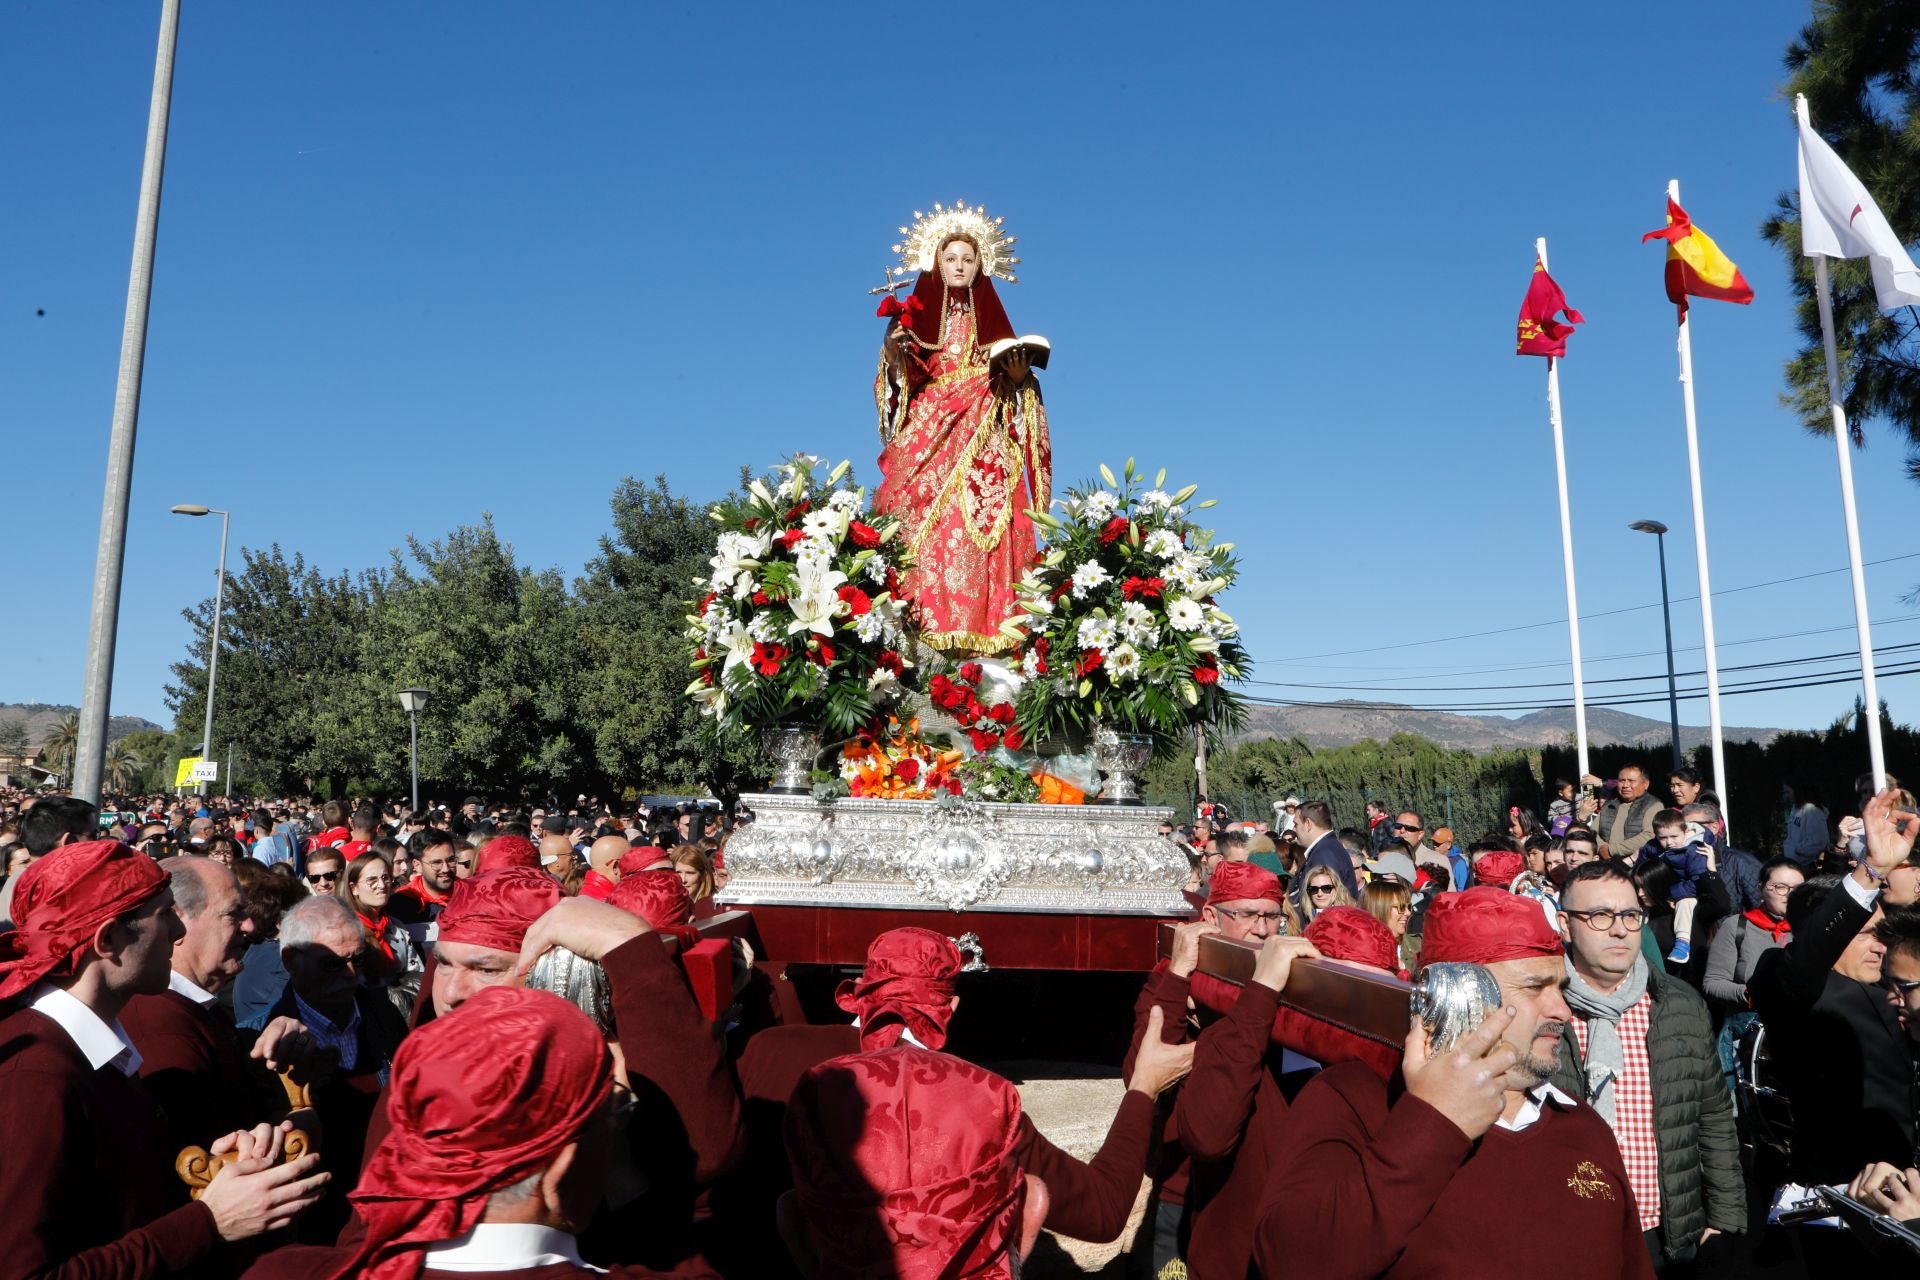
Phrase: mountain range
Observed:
(1338, 724)
(41, 718)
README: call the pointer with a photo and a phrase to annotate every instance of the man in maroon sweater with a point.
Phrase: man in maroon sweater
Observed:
(1469, 1163)
(191, 1059)
(86, 1179)
(504, 1116)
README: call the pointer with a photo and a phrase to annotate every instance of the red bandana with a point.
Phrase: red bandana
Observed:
(1243, 882)
(1497, 868)
(1350, 933)
(1484, 925)
(507, 851)
(637, 860)
(495, 908)
(657, 897)
(906, 986)
(903, 1164)
(1780, 929)
(62, 900)
(480, 1099)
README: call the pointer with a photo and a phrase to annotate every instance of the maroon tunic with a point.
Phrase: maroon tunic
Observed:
(316, 1262)
(1168, 993)
(1232, 1119)
(192, 1063)
(87, 1188)
(1375, 1182)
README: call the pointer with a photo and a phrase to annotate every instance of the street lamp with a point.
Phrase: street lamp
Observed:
(213, 649)
(413, 702)
(1659, 531)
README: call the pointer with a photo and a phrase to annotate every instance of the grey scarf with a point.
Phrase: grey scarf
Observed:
(1605, 1058)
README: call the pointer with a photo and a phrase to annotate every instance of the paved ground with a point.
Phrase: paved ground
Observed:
(1072, 1105)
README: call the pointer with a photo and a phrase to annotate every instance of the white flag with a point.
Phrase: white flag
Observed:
(1838, 219)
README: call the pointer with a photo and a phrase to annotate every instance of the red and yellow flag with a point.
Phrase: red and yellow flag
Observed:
(1541, 331)
(1695, 265)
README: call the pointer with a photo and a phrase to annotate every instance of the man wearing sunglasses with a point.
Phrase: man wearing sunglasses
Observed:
(323, 871)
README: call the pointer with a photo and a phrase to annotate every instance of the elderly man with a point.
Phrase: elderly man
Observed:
(603, 861)
(504, 1122)
(191, 1059)
(1640, 1049)
(1469, 1162)
(87, 1179)
(558, 857)
(688, 1121)
(1625, 823)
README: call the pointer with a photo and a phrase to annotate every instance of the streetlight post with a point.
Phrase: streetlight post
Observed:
(213, 649)
(413, 702)
(1659, 531)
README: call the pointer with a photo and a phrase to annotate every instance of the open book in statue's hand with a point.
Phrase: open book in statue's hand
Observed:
(1035, 348)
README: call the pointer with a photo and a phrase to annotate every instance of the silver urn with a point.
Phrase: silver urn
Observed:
(793, 750)
(1120, 757)
(577, 980)
(1452, 999)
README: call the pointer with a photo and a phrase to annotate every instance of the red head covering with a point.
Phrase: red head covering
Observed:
(903, 1163)
(1243, 882)
(507, 851)
(1498, 868)
(1485, 926)
(990, 323)
(1350, 933)
(906, 986)
(639, 859)
(479, 1100)
(495, 908)
(657, 897)
(61, 902)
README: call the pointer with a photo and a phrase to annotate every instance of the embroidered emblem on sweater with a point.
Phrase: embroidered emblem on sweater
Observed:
(1589, 1182)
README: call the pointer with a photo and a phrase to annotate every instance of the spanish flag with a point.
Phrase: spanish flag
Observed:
(1541, 331)
(1695, 264)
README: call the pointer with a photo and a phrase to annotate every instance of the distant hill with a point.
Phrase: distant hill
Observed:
(1336, 724)
(42, 718)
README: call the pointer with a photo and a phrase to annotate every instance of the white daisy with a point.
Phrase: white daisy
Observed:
(844, 500)
(880, 678)
(1184, 614)
(868, 626)
(826, 526)
(1156, 498)
(1087, 577)
(1096, 633)
(1030, 665)
(1135, 618)
(1099, 505)
(1163, 544)
(877, 569)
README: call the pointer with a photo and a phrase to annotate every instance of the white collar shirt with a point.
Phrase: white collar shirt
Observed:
(1534, 1107)
(505, 1246)
(183, 985)
(100, 1042)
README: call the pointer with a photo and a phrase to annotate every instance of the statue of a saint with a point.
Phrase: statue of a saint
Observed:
(964, 441)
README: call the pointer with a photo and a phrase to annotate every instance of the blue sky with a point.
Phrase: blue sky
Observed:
(423, 261)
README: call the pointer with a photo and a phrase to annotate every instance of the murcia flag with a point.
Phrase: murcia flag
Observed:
(1541, 331)
(1695, 265)
(1838, 219)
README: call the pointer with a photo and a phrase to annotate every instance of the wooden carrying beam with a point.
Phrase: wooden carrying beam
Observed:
(1360, 1001)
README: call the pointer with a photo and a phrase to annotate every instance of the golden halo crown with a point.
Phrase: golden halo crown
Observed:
(930, 230)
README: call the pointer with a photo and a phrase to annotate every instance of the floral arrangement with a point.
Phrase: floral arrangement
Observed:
(898, 765)
(986, 726)
(802, 619)
(1119, 619)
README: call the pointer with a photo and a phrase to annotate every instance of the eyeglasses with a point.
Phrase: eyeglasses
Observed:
(1602, 919)
(1780, 886)
(1318, 889)
(1234, 913)
(324, 877)
(1408, 826)
(375, 882)
(1903, 989)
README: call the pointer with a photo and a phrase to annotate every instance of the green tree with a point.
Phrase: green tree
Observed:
(647, 735)
(14, 738)
(1856, 63)
(159, 752)
(123, 770)
(61, 744)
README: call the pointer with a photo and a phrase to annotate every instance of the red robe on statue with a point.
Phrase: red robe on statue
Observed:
(963, 459)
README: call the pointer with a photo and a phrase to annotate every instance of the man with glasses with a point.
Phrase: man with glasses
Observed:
(1408, 825)
(1886, 1186)
(1640, 1050)
(323, 871)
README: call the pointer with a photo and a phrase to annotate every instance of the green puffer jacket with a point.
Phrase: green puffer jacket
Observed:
(1701, 1184)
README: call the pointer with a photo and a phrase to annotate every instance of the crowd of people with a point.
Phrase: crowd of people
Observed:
(291, 1040)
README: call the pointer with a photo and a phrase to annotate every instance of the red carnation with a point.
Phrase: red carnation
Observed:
(1001, 714)
(1115, 530)
(984, 740)
(891, 662)
(760, 597)
(792, 538)
(800, 508)
(824, 653)
(1089, 662)
(1135, 588)
(768, 657)
(906, 770)
(1042, 644)
(863, 535)
(858, 601)
(971, 672)
(1206, 673)
(1014, 739)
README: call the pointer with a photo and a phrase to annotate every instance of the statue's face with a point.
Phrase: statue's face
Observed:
(959, 264)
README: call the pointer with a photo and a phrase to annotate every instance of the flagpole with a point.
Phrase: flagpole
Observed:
(1700, 555)
(1876, 752)
(1566, 542)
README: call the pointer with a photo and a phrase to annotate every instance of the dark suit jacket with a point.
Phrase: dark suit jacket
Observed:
(1846, 1065)
(1327, 851)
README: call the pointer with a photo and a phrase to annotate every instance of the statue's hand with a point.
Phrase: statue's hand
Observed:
(1015, 367)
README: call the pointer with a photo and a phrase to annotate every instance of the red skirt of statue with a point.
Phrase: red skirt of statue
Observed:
(962, 464)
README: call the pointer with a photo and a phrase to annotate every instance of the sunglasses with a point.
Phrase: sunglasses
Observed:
(1896, 985)
(1407, 826)
(324, 877)
(1317, 889)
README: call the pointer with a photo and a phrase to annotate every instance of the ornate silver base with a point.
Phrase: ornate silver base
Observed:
(793, 750)
(955, 856)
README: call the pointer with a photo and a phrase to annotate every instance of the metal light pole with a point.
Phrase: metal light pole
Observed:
(1659, 531)
(213, 649)
(413, 702)
(103, 626)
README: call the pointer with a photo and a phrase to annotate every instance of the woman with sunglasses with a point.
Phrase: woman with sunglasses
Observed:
(366, 886)
(1321, 890)
(1391, 903)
